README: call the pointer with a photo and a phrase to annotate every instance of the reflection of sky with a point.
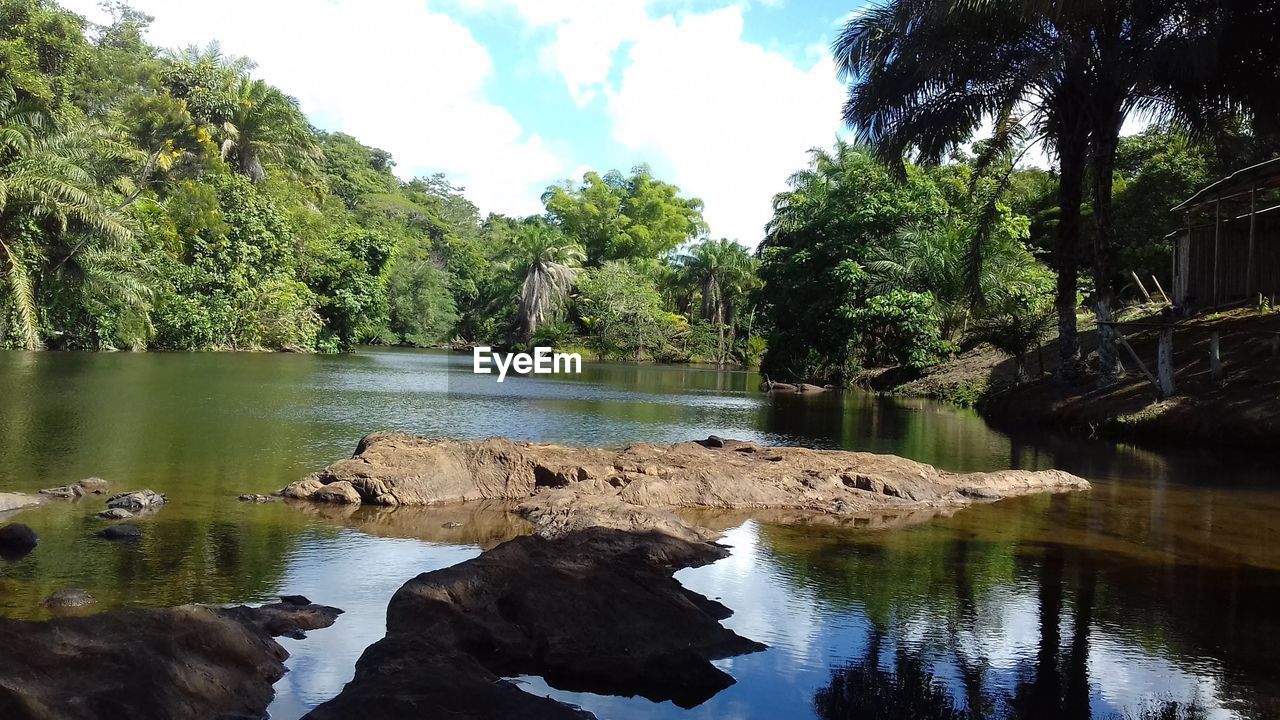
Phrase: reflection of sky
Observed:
(807, 638)
(359, 574)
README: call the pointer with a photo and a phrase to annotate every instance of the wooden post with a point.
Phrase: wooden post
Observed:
(1141, 287)
(1215, 360)
(1249, 283)
(1163, 294)
(1217, 237)
(1164, 363)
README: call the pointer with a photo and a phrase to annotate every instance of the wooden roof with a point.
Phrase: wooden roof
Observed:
(1263, 175)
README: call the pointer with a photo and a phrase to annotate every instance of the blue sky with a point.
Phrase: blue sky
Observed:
(722, 98)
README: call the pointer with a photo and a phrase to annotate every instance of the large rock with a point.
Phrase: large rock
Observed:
(594, 611)
(12, 502)
(186, 662)
(563, 489)
(341, 492)
(75, 491)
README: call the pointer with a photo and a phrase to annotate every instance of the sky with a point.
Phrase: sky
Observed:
(721, 97)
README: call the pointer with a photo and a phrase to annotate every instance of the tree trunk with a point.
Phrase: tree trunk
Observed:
(1104, 161)
(1072, 156)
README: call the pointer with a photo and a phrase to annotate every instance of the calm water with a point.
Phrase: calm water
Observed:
(1154, 595)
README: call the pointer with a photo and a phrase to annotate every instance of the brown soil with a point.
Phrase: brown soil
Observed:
(1242, 411)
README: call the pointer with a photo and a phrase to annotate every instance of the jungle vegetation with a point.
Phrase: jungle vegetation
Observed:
(173, 200)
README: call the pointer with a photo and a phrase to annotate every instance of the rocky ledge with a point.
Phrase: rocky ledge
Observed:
(185, 662)
(561, 489)
(593, 611)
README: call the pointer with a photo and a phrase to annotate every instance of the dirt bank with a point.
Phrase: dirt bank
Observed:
(186, 662)
(1240, 411)
(562, 489)
(592, 611)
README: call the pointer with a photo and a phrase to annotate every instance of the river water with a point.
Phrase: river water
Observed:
(1155, 595)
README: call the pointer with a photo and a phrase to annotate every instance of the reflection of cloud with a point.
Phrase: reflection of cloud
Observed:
(359, 574)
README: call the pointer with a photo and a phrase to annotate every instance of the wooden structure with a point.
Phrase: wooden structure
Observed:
(1228, 251)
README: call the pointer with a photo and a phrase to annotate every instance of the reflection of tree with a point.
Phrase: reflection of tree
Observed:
(866, 690)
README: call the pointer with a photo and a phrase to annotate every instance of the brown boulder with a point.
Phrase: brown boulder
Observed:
(341, 492)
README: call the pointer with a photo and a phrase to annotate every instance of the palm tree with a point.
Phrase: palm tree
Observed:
(266, 125)
(929, 73)
(47, 176)
(550, 264)
(934, 259)
(722, 272)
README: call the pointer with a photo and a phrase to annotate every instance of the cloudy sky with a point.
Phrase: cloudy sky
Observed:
(722, 98)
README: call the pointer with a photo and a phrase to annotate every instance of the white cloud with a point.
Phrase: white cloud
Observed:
(729, 119)
(393, 73)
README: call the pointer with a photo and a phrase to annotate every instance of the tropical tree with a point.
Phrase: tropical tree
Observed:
(722, 272)
(266, 125)
(549, 262)
(928, 74)
(48, 192)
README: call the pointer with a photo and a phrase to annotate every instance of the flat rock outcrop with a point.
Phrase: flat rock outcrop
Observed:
(592, 611)
(11, 502)
(562, 489)
(185, 662)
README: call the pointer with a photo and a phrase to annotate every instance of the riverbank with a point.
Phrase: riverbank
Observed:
(1239, 411)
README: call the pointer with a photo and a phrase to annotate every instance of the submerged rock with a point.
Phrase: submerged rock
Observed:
(563, 489)
(252, 498)
(594, 611)
(69, 598)
(16, 536)
(120, 532)
(176, 663)
(115, 514)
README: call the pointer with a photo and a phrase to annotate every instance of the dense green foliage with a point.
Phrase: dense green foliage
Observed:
(175, 201)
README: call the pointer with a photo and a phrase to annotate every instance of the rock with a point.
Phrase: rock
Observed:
(259, 498)
(136, 501)
(87, 486)
(18, 536)
(562, 489)
(712, 441)
(120, 532)
(69, 598)
(186, 662)
(294, 600)
(593, 611)
(115, 514)
(451, 525)
(337, 492)
(13, 502)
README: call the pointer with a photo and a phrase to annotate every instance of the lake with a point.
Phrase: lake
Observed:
(1155, 595)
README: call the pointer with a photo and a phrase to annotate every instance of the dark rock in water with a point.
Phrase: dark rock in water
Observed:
(69, 598)
(17, 536)
(115, 514)
(294, 600)
(120, 532)
(186, 662)
(136, 501)
(592, 611)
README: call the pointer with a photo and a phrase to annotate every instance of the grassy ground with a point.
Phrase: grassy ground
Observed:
(1242, 410)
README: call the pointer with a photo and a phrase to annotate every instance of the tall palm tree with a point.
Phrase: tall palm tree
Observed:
(266, 125)
(928, 74)
(550, 263)
(722, 272)
(47, 176)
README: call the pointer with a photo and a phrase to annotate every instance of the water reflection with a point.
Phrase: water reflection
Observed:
(1152, 595)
